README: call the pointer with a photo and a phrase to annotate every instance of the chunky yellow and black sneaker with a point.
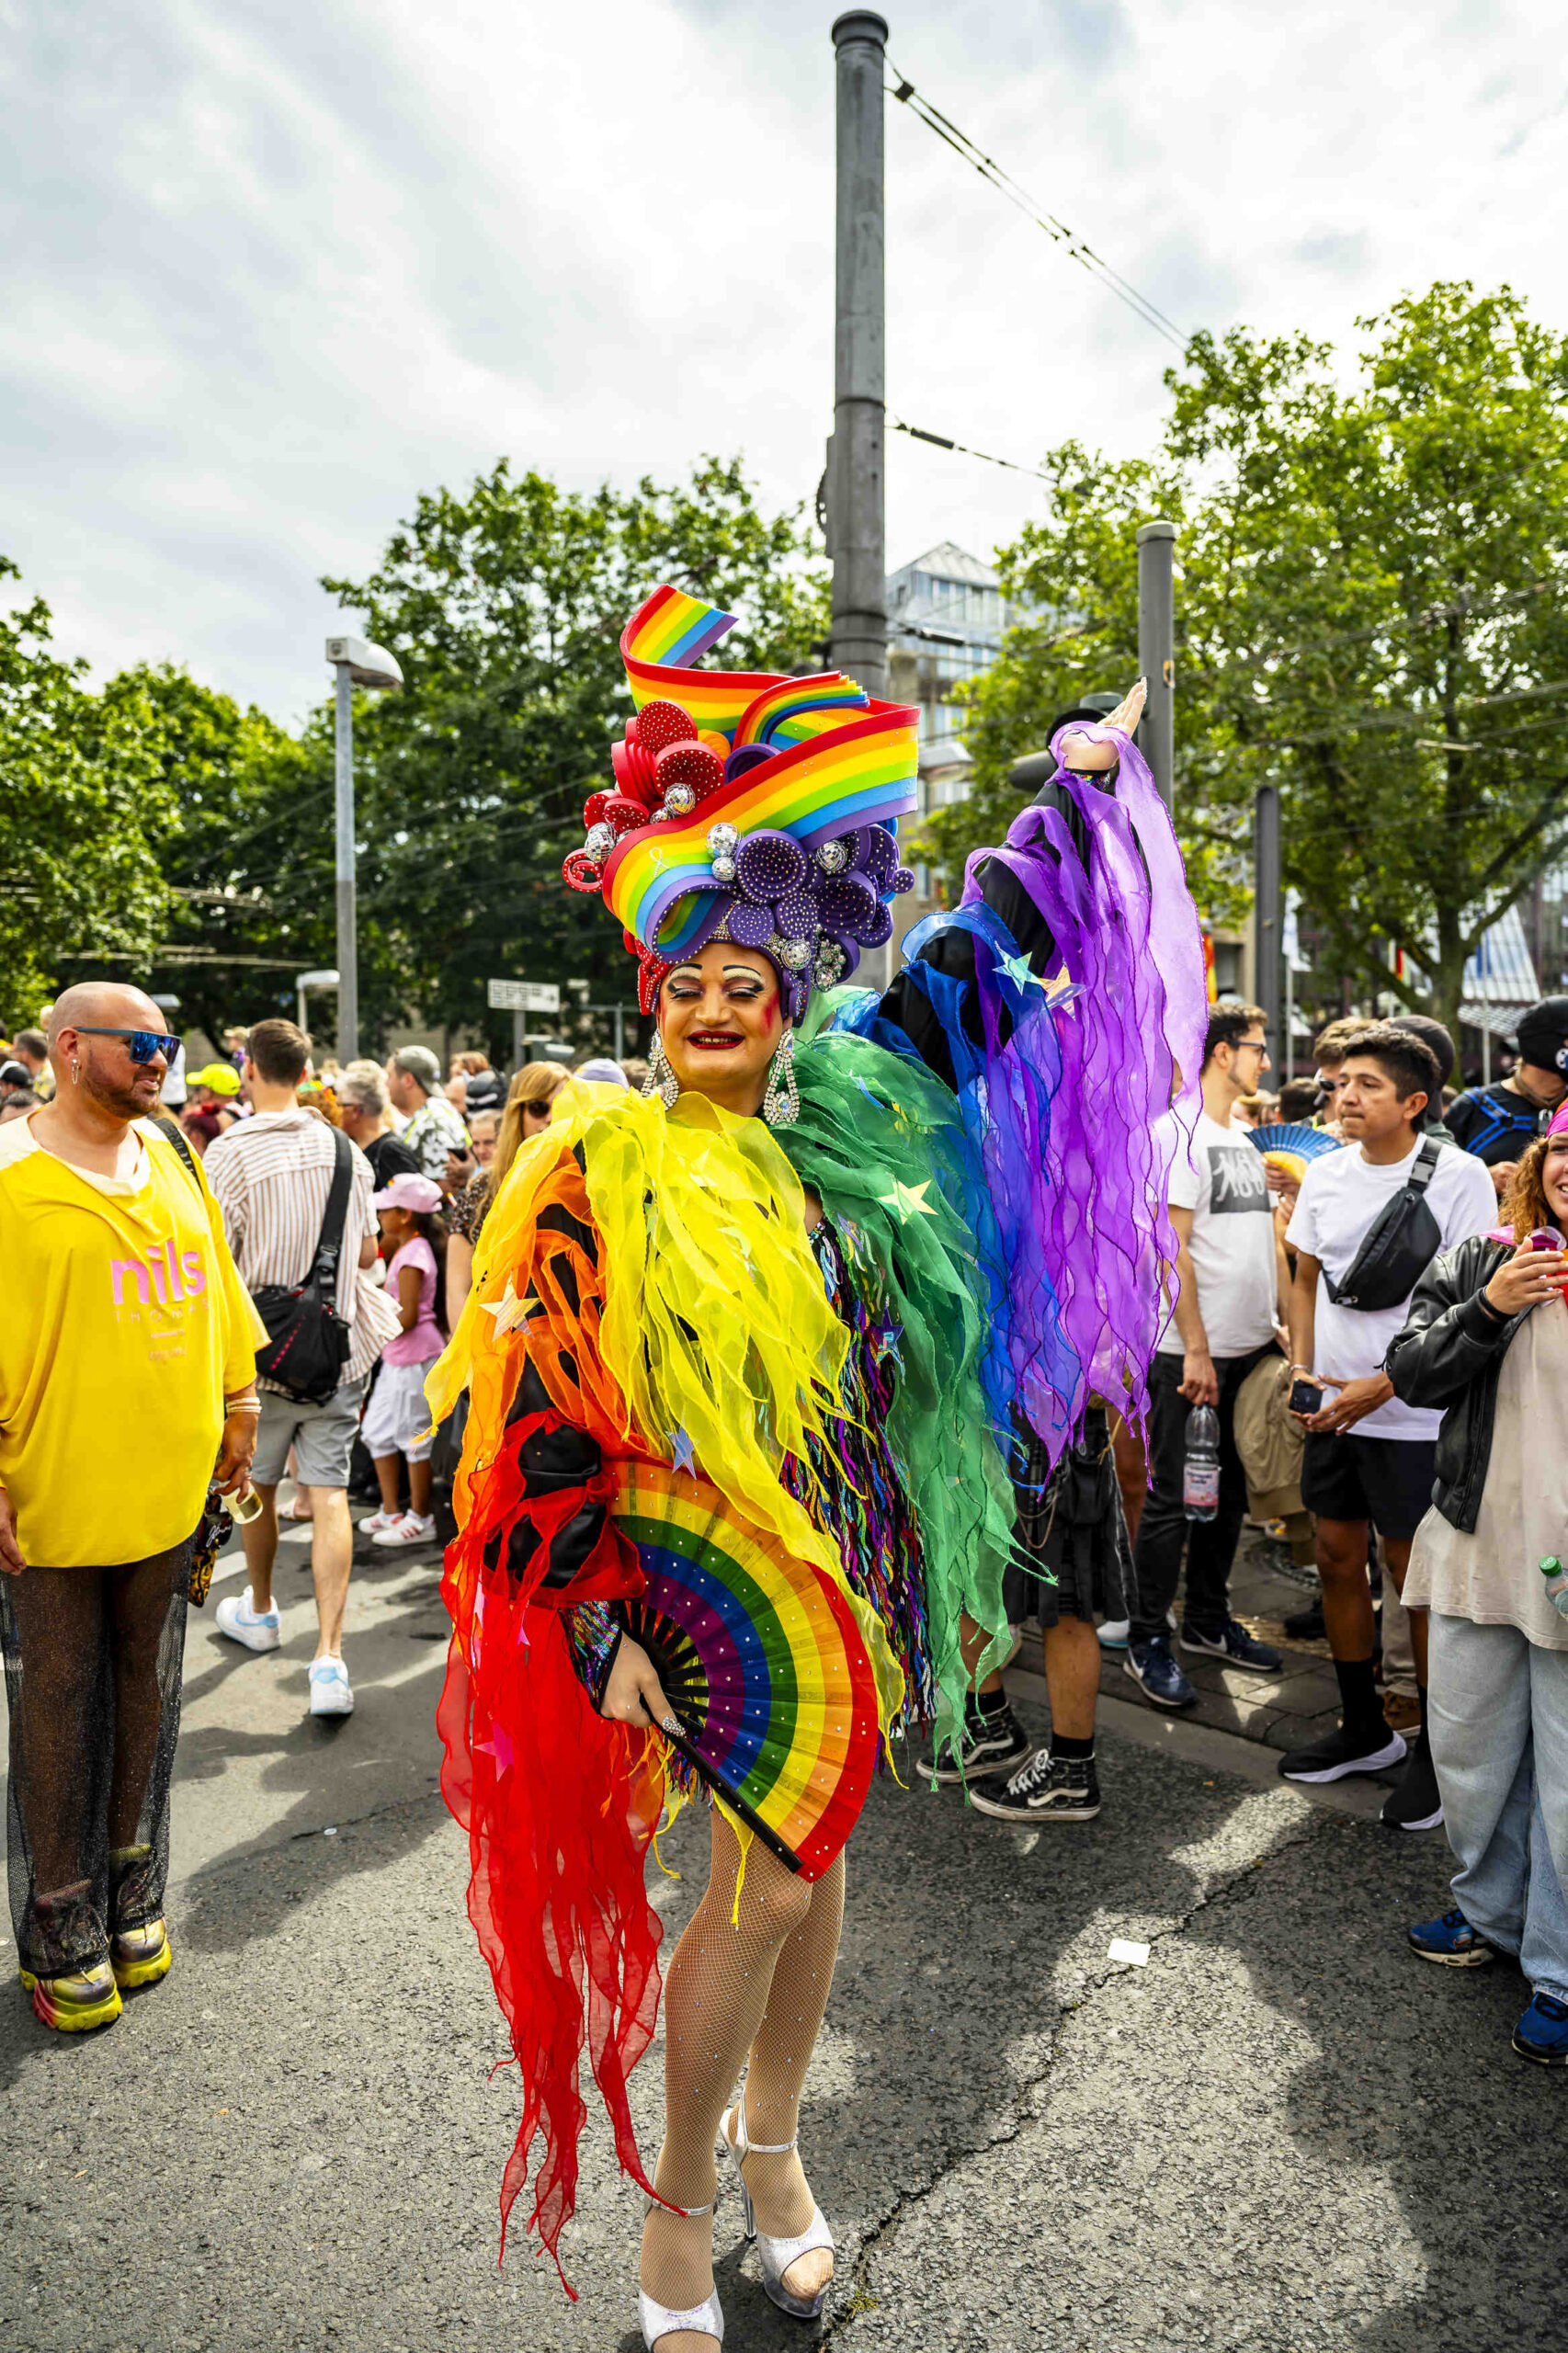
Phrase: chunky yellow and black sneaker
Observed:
(141, 1956)
(87, 1997)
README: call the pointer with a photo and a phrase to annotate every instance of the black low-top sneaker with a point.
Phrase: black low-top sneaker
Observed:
(1416, 1804)
(1341, 1752)
(1061, 1789)
(1234, 1643)
(988, 1743)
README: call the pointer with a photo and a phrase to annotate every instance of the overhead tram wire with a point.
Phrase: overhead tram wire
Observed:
(941, 441)
(1057, 230)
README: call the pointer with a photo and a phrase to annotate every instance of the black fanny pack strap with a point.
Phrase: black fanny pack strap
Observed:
(329, 1244)
(1425, 1165)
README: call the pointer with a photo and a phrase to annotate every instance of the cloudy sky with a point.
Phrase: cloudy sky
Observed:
(273, 267)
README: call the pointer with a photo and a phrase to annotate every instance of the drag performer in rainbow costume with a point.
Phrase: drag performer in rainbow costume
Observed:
(746, 1357)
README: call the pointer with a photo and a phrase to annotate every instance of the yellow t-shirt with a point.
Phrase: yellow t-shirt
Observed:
(123, 1324)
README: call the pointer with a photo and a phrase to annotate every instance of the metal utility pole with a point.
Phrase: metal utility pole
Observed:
(1267, 910)
(356, 664)
(347, 908)
(856, 480)
(1156, 653)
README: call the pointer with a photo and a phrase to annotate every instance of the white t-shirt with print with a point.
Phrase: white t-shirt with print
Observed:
(1340, 1196)
(1222, 1181)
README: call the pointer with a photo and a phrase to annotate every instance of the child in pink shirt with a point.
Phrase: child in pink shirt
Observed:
(397, 1420)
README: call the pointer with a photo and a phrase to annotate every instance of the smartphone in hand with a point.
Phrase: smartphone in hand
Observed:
(1305, 1397)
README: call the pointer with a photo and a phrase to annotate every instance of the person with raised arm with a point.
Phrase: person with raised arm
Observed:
(747, 1354)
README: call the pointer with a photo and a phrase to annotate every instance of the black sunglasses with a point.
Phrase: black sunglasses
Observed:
(143, 1043)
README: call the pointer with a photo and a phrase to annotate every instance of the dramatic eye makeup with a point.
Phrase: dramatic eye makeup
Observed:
(739, 981)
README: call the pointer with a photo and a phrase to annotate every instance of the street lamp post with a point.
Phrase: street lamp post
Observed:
(303, 983)
(357, 664)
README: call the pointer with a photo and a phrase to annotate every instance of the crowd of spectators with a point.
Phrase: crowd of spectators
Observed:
(1360, 1331)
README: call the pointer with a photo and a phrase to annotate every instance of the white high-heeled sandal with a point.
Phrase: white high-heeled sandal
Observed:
(706, 2319)
(777, 2255)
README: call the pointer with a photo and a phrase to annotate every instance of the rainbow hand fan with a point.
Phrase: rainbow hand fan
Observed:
(761, 1659)
(1292, 1145)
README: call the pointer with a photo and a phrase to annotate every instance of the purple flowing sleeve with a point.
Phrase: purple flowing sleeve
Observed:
(1076, 1143)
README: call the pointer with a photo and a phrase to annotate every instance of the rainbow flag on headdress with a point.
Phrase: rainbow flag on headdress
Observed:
(671, 631)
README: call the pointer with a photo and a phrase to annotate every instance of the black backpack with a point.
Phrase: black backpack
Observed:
(308, 1340)
(1397, 1247)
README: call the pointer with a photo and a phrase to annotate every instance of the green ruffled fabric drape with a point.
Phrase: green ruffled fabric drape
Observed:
(880, 1141)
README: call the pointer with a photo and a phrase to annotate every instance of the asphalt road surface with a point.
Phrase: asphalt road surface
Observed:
(1282, 2132)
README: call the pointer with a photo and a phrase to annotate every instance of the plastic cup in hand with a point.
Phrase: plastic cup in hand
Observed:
(242, 1509)
(1546, 1237)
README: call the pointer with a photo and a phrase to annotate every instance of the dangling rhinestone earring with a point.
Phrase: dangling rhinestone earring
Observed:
(781, 1104)
(661, 1079)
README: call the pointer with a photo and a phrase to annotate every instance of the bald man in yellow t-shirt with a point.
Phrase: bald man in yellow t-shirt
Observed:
(127, 1385)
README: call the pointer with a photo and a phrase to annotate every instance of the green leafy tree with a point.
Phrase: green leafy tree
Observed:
(505, 605)
(248, 858)
(83, 814)
(1368, 614)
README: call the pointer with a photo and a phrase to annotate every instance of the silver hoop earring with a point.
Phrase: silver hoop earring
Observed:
(781, 1104)
(661, 1079)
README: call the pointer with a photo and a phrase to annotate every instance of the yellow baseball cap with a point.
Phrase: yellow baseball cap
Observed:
(220, 1079)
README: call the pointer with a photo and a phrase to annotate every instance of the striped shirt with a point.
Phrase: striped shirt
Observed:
(271, 1176)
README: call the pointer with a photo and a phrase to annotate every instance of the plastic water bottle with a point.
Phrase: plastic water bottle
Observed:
(1200, 1473)
(1556, 1577)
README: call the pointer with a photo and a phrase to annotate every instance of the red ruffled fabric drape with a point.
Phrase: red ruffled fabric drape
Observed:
(558, 1805)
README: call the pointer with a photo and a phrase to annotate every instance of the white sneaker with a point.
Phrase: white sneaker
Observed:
(257, 1630)
(374, 1523)
(298, 1531)
(411, 1528)
(330, 1693)
(1113, 1633)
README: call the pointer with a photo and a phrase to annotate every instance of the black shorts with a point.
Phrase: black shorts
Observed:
(1385, 1480)
(1072, 1536)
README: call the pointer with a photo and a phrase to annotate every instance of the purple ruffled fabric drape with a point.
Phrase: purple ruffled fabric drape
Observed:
(1086, 1188)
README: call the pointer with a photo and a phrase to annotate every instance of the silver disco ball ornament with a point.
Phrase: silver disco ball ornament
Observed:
(833, 856)
(723, 869)
(721, 842)
(600, 842)
(679, 801)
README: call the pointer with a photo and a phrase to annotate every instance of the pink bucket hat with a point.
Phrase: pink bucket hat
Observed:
(407, 1192)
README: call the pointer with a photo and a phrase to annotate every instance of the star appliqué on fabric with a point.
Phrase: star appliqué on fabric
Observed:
(908, 1200)
(510, 1311)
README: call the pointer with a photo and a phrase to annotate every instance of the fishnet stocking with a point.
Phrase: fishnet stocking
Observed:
(717, 2005)
(803, 1979)
(93, 1661)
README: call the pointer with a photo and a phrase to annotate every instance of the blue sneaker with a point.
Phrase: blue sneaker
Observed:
(1232, 1643)
(1156, 1672)
(1452, 1942)
(1542, 2032)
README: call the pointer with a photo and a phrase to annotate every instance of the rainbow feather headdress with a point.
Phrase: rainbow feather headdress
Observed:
(746, 806)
